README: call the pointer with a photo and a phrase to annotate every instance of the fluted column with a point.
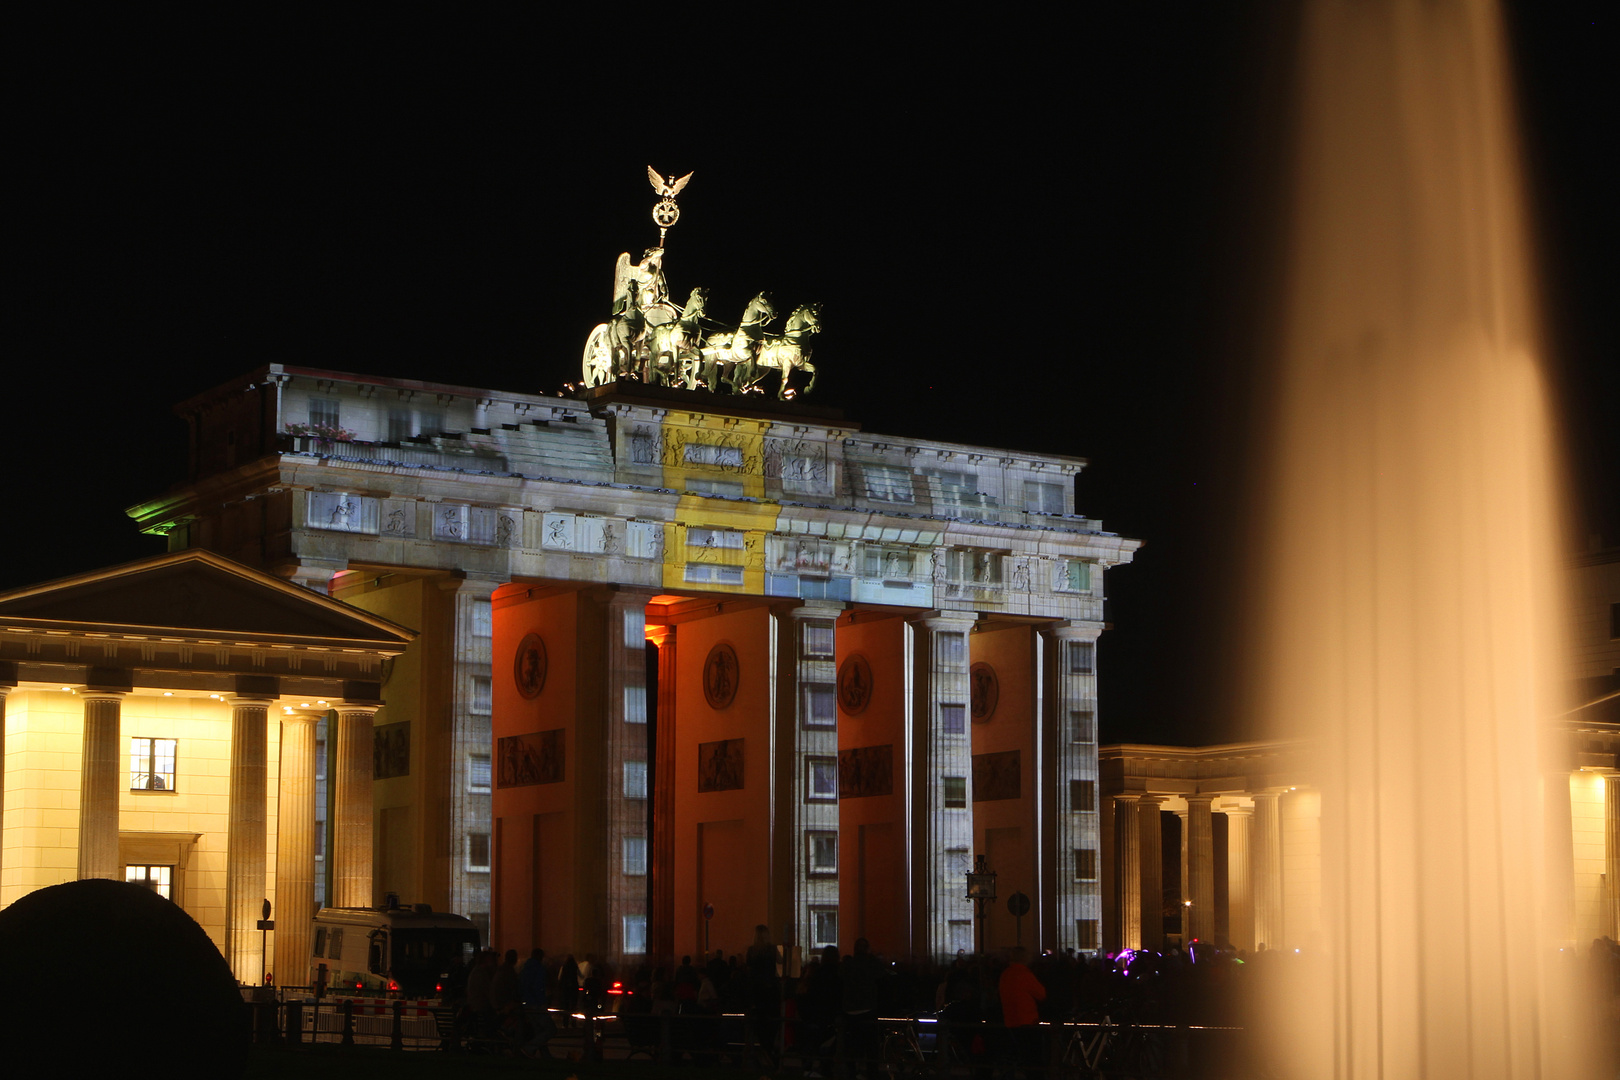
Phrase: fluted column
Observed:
(661, 919)
(1239, 877)
(1184, 892)
(351, 808)
(1067, 753)
(245, 839)
(1266, 859)
(1611, 835)
(98, 787)
(1128, 870)
(940, 676)
(1150, 840)
(802, 671)
(5, 688)
(295, 849)
(1199, 919)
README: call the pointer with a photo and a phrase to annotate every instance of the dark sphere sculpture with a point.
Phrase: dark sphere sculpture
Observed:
(106, 974)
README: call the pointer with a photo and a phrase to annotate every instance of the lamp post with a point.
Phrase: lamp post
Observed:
(981, 887)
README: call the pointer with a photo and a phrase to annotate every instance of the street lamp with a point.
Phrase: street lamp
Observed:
(981, 886)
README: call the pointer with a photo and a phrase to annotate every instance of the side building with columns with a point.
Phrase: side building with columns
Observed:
(688, 663)
(159, 726)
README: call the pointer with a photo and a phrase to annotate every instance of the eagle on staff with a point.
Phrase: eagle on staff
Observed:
(666, 213)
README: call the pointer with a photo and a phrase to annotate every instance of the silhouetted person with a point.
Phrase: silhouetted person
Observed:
(764, 993)
(1020, 990)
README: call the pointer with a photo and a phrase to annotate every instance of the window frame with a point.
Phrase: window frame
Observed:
(956, 802)
(151, 758)
(472, 866)
(810, 794)
(812, 868)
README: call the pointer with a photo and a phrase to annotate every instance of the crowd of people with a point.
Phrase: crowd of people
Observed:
(841, 1007)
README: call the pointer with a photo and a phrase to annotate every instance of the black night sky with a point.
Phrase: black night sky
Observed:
(1057, 234)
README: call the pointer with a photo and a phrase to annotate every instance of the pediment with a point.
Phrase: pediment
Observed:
(198, 592)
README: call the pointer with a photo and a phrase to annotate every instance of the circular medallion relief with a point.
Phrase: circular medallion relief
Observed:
(986, 691)
(529, 669)
(854, 684)
(720, 676)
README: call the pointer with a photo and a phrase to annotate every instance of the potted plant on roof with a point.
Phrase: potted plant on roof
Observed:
(317, 438)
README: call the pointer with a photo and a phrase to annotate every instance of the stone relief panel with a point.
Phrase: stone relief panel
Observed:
(341, 512)
(720, 765)
(866, 771)
(398, 518)
(557, 532)
(391, 750)
(996, 776)
(535, 758)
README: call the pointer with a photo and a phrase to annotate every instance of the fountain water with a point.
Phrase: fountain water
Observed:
(1412, 625)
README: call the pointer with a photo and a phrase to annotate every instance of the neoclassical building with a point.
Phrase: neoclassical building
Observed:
(687, 662)
(163, 722)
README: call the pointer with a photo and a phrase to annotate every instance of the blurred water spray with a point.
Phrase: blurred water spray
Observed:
(1412, 626)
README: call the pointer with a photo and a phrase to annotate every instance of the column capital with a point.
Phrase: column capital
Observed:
(1207, 800)
(103, 695)
(262, 700)
(811, 609)
(1237, 811)
(1150, 800)
(944, 620)
(1072, 630)
(357, 708)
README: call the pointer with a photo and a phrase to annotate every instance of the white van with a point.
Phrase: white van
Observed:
(412, 950)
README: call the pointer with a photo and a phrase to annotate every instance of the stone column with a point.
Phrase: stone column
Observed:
(351, 808)
(1128, 871)
(1150, 841)
(8, 680)
(625, 732)
(661, 846)
(1065, 757)
(1239, 877)
(98, 787)
(1266, 861)
(1183, 894)
(295, 849)
(1611, 835)
(1198, 921)
(940, 676)
(245, 838)
(805, 670)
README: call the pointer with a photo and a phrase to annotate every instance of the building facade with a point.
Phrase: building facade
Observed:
(162, 725)
(687, 663)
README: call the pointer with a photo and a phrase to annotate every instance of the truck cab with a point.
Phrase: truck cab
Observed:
(412, 950)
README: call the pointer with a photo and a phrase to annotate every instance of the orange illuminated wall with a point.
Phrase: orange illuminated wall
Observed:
(544, 846)
(1004, 828)
(874, 886)
(722, 838)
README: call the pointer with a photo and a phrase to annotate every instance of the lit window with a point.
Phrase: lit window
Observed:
(717, 575)
(399, 425)
(323, 412)
(151, 764)
(1082, 794)
(481, 625)
(818, 639)
(1087, 930)
(952, 650)
(478, 772)
(480, 693)
(1082, 726)
(1074, 575)
(635, 933)
(823, 779)
(887, 564)
(1082, 657)
(635, 779)
(823, 851)
(729, 539)
(156, 878)
(820, 706)
(888, 483)
(955, 792)
(1085, 864)
(823, 927)
(478, 852)
(706, 486)
(635, 856)
(1042, 498)
(953, 719)
(972, 566)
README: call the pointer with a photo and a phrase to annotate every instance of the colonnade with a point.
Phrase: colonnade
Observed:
(1254, 870)
(246, 869)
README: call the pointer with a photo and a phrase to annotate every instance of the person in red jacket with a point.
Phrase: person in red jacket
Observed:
(1020, 990)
